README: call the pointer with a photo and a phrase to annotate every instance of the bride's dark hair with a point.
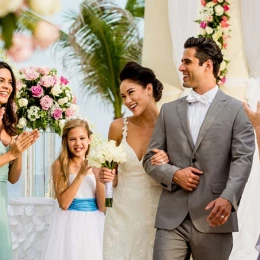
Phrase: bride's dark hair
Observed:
(143, 76)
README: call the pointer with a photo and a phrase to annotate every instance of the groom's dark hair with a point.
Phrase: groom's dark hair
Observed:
(206, 49)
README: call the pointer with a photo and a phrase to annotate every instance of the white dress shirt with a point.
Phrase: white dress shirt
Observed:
(197, 109)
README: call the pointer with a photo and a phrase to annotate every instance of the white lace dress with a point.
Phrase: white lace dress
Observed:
(129, 226)
(73, 234)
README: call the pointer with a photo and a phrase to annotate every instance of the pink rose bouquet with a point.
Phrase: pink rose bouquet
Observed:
(43, 99)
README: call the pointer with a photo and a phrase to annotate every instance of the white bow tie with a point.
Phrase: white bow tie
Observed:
(194, 97)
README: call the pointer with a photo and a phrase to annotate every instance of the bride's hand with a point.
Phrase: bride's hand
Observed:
(106, 175)
(160, 157)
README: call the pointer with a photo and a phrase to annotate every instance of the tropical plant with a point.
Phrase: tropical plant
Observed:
(103, 37)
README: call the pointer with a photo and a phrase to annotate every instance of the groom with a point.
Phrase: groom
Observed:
(210, 144)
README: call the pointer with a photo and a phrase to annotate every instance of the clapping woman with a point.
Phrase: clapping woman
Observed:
(11, 149)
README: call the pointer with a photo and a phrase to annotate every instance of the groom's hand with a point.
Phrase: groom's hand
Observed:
(187, 178)
(221, 209)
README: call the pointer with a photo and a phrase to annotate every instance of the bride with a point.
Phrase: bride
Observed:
(129, 225)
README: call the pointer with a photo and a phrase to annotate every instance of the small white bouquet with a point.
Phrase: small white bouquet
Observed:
(106, 154)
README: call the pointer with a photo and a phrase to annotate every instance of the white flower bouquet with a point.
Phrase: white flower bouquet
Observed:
(106, 154)
(43, 99)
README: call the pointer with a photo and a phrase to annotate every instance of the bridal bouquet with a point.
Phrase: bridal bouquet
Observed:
(43, 99)
(106, 154)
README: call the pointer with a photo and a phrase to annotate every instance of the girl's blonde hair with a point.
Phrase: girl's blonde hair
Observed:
(65, 154)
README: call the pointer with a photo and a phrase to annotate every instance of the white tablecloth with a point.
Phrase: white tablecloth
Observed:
(29, 220)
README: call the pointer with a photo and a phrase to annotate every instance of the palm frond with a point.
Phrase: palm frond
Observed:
(136, 7)
(102, 38)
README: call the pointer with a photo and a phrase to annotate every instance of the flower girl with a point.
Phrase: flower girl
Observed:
(76, 231)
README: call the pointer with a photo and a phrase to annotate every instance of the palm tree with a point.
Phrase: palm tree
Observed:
(102, 38)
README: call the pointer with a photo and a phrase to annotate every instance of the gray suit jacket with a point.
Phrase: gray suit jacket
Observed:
(223, 151)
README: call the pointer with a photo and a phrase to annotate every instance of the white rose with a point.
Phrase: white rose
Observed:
(219, 10)
(202, 31)
(209, 30)
(210, 4)
(223, 65)
(23, 102)
(63, 101)
(22, 122)
(220, 1)
(14, 5)
(56, 90)
(46, 7)
(4, 8)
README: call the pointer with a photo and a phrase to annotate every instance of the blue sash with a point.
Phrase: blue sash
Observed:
(83, 205)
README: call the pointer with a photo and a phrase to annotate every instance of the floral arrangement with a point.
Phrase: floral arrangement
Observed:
(43, 99)
(214, 23)
(106, 154)
(12, 10)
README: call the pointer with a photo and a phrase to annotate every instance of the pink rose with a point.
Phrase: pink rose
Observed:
(226, 8)
(57, 113)
(47, 81)
(37, 91)
(69, 112)
(46, 102)
(210, 18)
(203, 25)
(223, 80)
(74, 100)
(43, 70)
(30, 73)
(63, 80)
(224, 24)
(22, 47)
(19, 85)
(203, 2)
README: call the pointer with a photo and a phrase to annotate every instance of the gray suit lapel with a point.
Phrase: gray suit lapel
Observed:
(182, 109)
(215, 108)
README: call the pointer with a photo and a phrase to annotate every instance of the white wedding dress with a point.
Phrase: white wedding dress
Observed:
(76, 235)
(129, 226)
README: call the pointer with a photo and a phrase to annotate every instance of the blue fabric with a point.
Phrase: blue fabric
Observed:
(83, 205)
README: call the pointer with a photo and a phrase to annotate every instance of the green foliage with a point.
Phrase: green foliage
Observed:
(101, 40)
(8, 24)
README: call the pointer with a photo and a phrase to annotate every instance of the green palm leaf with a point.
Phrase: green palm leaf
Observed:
(102, 38)
(136, 7)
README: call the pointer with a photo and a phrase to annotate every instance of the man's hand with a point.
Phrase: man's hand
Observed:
(221, 209)
(187, 178)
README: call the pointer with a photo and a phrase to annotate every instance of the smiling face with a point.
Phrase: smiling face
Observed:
(135, 97)
(193, 73)
(6, 87)
(78, 141)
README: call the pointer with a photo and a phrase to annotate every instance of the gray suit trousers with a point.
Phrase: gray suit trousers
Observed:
(177, 244)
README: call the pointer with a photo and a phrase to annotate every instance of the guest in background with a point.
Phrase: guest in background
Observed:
(76, 231)
(255, 120)
(254, 117)
(129, 226)
(11, 149)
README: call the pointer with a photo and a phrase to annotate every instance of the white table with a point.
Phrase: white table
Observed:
(29, 220)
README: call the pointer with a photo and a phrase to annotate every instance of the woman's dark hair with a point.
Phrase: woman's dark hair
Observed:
(142, 76)
(206, 49)
(9, 119)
